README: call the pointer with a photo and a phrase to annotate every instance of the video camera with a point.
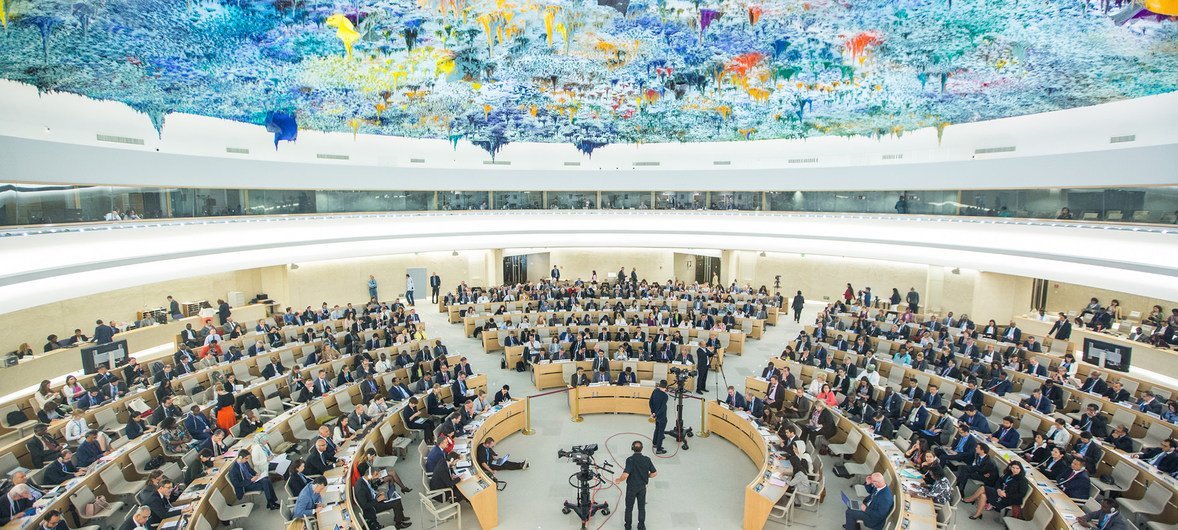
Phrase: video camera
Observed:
(580, 454)
(681, 374)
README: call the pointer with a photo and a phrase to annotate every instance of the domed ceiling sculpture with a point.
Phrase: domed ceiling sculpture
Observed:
(593, 73)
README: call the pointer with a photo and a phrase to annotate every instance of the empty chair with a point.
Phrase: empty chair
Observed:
(866, 468)
(117, 484)
(1153, 503)
(107, 419)
(243, 374)
(273, 407)
(849, 446)
(227, 512)
(298, 427)
(1001, 410)
(1157, 432)
(903, 434)
(8, 463)
(1027, 425)
(440, 510)
(1039, 521)
(85, 496)
(1123, 475)
(343, 402)
(320, 413)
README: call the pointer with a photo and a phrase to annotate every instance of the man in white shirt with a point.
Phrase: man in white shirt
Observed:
(409, 289)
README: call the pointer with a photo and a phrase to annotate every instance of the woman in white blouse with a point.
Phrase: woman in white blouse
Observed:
(76, 427)
(816, 385)
(44, 395)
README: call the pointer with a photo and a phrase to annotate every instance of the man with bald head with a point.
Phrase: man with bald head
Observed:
(875, 508)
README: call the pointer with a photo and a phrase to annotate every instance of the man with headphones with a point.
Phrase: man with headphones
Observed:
(638, 471)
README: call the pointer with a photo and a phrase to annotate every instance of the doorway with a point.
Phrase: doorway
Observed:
(515, 269)
(707, 268)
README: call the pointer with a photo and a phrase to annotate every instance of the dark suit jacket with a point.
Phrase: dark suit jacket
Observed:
(1168, 464)
(7, 512)
(56, 473)
(658, 404)
(317, 463)
(1076, 487)
(160, 508)
(883, 427)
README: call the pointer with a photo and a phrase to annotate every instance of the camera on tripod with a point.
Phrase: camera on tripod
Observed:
(580, 454)
(682, 374)
(584, 480)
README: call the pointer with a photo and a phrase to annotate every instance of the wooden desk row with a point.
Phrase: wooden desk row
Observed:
(557, 374)
(458, 312)
(1147, 476)
(747, 326)
(514, 354)
(730, 341)
(1139, 422)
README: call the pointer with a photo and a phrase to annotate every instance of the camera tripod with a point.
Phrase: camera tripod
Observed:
(586, 479)
(679, 432)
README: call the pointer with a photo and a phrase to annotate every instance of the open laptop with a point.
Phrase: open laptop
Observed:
(854, 505)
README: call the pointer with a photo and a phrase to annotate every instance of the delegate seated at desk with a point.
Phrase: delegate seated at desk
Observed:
(245, 479)
(876, 506)
(372, 502)
(310, 500)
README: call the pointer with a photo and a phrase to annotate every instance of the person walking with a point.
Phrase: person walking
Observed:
(658, 411)
(409, 289)
(798, 304)
(637, 473)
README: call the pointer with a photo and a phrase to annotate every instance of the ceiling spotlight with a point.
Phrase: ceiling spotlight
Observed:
(454, 253)
(762, 253)
(956, 270)
(294, 266)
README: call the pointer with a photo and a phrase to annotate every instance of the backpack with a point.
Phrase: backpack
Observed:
(520, 366)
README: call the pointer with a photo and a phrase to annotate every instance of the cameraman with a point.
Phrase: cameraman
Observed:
(658, 411)
(639, 470)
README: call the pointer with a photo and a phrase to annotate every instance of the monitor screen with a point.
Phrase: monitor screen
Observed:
(111, 354)
(1107, 354)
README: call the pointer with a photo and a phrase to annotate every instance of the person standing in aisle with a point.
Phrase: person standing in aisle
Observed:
(409, 289)
(555, 274)
(637, 473)
(658, 411)
(913, 300)
(703, 363)
(798, 304)
(435, 286)
(372, 287)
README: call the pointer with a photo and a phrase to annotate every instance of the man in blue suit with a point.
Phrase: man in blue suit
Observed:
(197, 425)
(244, 479)
(1038, 402)
(975, 421)
(876, 506)
(918, 417)
(310, 499)
(1006, 436)
(999, 384)
(734, 399)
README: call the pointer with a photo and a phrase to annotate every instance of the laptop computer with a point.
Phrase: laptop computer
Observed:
(854, 505)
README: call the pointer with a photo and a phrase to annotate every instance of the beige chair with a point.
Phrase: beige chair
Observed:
(85, 496)
(117, 484)
(440, 511)
(1041, 520)
(226, 512)
(1152, 504)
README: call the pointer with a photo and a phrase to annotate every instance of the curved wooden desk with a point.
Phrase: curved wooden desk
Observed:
(594, 399)
(759, 495)
(498, 422)
(551, 374)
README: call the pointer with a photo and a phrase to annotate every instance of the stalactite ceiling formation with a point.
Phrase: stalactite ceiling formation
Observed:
(492, 72)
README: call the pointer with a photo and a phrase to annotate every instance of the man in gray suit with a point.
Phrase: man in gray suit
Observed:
(1108, 517)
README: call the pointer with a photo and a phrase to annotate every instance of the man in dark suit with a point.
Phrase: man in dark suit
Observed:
(976, 421)
(398, 391)
(1093, 383)
(627, 377)
(703, 363)
(981, 468)
(42, 446)
(961, 449)
(1076, 483)
(891, 404)
(1013, 334)
(1116, 393)
(999, 384)
(137, 518)
(876, 507)
(1062, 329)
(89, 451)
(755, 406)
(1107, 517)
(1150, 404)
(103, 333)
(1165, 457)
(734, 399)
(769, 371)
(418, 420)
(918, 416)
(358, 419)
(459, 391)
(1093, 421)
(1088, 450)
(245, 479)
(658, 411)
(435, 286)
(157, 501)
(197, 424)
(1038, 402)
(881, 425)
(1006, 436)
(61, 469)
(372, 502)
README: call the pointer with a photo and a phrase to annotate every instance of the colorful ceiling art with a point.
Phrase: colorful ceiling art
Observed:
(590, 73)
